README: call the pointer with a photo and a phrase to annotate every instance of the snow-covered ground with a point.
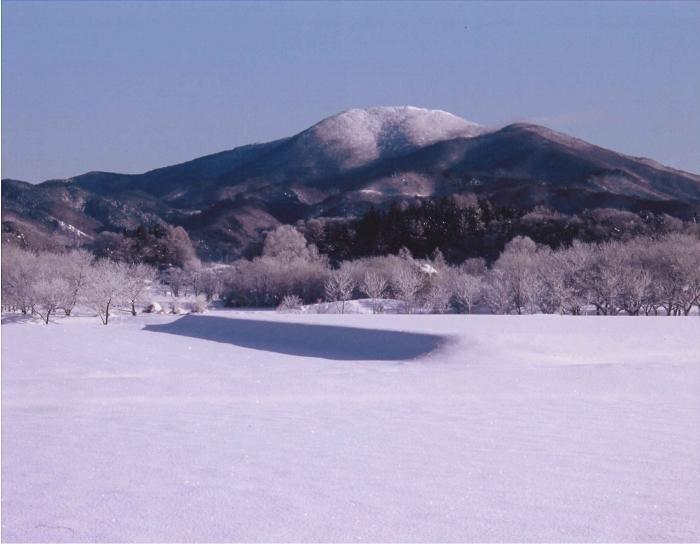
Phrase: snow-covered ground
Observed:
(359, 306)
(256, 426)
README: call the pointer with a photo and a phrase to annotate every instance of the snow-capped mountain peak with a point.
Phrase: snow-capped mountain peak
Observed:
(360, 135)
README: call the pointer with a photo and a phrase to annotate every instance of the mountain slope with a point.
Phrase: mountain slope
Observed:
(341, 166)
(533, 153)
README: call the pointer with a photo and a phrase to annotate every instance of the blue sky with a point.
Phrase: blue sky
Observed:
(130, 86)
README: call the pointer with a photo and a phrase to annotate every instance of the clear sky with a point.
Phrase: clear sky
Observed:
(130, 86)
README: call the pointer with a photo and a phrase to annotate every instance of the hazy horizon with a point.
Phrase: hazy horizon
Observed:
(129, 86)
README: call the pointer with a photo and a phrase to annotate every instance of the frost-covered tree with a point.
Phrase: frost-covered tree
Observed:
(180, 251)
(516, 267)
(176, 278)
(439, 288)
(681, 267)
(264, 281)
(20, 270)
(689, 294)
(438, 261)
(374, 286)
(106, 287)
(547, 291)
(608, 267)
(578, 272)
(474, 267)
(635, 284)
(634, 290)
(287, 244)
(407, 281)
(467, 290)
(339, 287)
(40, 283)
(191, 275)
(138, 278)
(49, 294)
(288, 266)
(76, 266)
(209, 284)
(497, 293)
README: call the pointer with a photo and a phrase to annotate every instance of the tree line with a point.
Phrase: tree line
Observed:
(647, 276)
(635, 276)
(463, 226)
(46, 283)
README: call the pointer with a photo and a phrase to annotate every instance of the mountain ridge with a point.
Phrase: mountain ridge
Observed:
(341, 166)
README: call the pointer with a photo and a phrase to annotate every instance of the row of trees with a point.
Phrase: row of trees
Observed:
(463, 226)
(194, 280)
(639, 276)
(633, 277)
(636, 276)
(44, 283)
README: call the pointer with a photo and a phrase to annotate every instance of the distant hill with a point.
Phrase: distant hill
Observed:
(340, 167)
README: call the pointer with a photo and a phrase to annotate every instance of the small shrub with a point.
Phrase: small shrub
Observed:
(290, 303)
(199, 306)
(176, 308)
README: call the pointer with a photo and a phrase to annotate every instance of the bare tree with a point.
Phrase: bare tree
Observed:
(375, 287)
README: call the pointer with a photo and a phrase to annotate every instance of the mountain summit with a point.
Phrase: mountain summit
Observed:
(341, 166)
(358, 136)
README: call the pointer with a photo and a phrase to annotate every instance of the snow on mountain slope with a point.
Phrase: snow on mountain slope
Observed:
(255, 426)
(358, 136)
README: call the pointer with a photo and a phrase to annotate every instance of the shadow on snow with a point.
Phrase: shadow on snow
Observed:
(305, 340)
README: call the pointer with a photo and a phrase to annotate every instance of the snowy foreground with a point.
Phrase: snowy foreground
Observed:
(245, 426)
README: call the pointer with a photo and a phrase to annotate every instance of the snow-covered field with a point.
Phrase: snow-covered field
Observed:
(256, 426)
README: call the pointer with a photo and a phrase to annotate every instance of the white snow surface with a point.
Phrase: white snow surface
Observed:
(257, 426)
(359, 306)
